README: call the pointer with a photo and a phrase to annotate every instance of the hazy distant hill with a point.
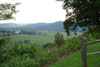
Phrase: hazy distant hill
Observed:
(56, 26)
(8, 25)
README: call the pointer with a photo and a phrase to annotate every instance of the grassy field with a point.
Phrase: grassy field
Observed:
(75, 59)
(44, 38)
(32, 38)
(20, 54)
(39, 39)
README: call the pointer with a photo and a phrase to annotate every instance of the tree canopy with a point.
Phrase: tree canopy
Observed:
(7, 10)
(82, 13)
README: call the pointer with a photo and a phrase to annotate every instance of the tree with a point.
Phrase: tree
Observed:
(82, 13)
(59, 39)
(7, 10)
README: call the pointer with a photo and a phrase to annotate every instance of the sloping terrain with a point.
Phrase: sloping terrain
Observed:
(75, 59)
(56, 26)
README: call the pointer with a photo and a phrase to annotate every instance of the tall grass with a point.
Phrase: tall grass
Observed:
(31, 55)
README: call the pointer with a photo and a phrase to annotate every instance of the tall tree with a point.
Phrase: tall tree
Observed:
(7, 10)
(82, 13)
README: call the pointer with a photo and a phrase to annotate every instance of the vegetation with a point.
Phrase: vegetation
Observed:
(82, 13)
(20, 55)
(28, 48)
(74, 60)
(40, 38)
(59, 39)
(4, 38)
(7, 10)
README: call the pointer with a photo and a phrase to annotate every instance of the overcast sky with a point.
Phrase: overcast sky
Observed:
(36, 11)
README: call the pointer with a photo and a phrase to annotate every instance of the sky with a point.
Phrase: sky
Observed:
(37, 11)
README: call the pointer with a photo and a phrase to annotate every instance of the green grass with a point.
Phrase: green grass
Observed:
(75, 59)
(44, 38)
(20, 55)
(36, 39)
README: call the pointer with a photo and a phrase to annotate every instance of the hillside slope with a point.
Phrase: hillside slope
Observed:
(75, 59)
(8, 25)
(56, 26)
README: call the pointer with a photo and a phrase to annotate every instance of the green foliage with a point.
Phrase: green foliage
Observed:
(91, 37)
(7, 10)
(19, 62)
(26, 41)
(59, 39)
(74, 60)
(4, 38)
(49, 45)
(82, 13)
(16, 50)
(72, 45)
(25, 55)
(18, 55)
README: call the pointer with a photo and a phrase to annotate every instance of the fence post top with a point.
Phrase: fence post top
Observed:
(83, 39)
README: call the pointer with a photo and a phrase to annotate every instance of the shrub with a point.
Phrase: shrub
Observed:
(25, 51)
(20, 62)
(59, 39)
(89, 37)
(26, 41)
(49, 45)
(72, 44)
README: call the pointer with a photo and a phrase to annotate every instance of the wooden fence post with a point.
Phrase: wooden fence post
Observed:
(84, 55)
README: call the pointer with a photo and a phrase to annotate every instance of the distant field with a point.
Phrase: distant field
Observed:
(33, 38)
(39, 39)
(36, 39)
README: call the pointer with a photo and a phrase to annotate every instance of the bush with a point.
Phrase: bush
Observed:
(72, 45)
(19, 62)
(59, 39)
(49, 45)
(25, 51)
(89, 37)
(26, 41)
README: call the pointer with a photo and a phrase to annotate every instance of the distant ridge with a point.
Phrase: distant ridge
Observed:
(8, 25)
(56, 26)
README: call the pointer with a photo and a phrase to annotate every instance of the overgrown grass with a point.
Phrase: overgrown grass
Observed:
(16, 55)
(38, 39)
(74, 60)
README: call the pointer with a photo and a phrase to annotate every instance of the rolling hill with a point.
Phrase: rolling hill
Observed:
(56, 26)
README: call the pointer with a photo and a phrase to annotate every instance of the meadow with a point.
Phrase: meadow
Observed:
(38, 39)
(41, 38)
(34, 54)
(20, 55)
